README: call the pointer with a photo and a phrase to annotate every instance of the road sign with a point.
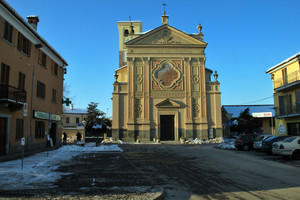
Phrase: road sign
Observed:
(22, 141)
(25, 109)
(229, 123)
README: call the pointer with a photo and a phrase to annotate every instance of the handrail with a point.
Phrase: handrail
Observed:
(290, 78)
(12, 93)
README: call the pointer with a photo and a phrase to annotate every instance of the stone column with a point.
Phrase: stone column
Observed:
(203, 96)
(188, 92)
(146, 120)
(129, 136)
(116, 117)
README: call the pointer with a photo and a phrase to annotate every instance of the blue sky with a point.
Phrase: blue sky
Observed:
(245, 38)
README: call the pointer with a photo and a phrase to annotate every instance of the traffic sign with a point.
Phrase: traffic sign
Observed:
(25, 109)
(229, 123)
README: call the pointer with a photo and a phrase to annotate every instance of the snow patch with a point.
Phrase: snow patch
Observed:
(39, 170)
(227, 144)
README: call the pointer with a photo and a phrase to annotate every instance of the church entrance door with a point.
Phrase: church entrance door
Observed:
(166, 127)
(2, 135)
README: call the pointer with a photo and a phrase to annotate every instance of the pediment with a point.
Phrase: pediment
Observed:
(168, 103)
(165, 35)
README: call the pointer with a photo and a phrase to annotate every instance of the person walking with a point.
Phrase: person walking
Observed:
(65, 138)
(78, 136)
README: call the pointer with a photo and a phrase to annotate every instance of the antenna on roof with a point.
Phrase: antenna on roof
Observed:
(164, 5)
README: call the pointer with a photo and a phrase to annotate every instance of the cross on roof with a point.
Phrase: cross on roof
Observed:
(164, 5)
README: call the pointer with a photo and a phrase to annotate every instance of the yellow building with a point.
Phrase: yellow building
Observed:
(286, 89)
(163, 90)
(31, 80)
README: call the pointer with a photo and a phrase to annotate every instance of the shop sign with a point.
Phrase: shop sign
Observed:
(55, 117)
(41, 115)
(262, 114)
(47, 116)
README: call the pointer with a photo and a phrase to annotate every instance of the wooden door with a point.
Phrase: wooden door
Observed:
(166, 127)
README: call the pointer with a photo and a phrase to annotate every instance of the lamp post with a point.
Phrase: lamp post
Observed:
(83, 132)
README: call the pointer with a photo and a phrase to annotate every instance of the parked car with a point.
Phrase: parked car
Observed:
(245, 142)
(267, 143)
(288, 147)
(257, 144)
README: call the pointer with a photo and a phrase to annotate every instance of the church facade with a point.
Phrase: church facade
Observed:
(163, 92)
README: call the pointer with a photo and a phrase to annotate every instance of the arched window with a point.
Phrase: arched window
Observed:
(126, 32)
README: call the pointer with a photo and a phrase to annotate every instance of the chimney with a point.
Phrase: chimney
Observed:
(71, 106)
(33, 21)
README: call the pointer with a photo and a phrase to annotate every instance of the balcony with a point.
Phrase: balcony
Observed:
(12, 97)
(290, 110)
(291, 81)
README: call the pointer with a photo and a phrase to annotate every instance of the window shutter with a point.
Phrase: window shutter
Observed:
(19, 46)
(40, 56)
(29, 48)
(23, 81)
(52, 67)
(20, 81)
(7, 74)
(11, 33)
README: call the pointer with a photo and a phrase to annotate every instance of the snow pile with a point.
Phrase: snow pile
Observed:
(39, 170)
(227, 144)
(90, 148)
(199, 141)
(111, 140)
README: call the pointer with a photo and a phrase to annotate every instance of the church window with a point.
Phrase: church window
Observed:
(126, 32)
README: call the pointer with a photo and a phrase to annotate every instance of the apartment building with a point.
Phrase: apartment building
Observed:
(286, 89)
(31, 86)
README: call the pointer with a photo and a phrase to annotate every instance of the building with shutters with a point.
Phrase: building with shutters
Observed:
(286, 89)
(163, 90)
(31, 85)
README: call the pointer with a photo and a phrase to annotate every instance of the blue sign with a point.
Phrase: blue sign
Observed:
(229, 123)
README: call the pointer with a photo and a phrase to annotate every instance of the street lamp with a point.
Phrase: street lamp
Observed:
(83, 132)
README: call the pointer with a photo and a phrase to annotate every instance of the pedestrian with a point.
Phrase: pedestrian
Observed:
(65, 138)
(78, 136)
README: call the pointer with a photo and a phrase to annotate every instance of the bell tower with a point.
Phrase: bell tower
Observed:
(127, 31)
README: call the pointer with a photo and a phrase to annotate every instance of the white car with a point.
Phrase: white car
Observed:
(257, 144)
(287, 147)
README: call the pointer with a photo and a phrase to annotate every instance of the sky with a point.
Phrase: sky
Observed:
(245, 38)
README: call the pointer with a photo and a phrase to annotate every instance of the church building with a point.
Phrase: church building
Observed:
(163, 91)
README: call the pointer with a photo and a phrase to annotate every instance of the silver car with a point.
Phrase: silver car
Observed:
(257, 144)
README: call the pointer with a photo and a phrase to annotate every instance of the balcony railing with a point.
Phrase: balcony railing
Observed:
(290, 78)
(290, 109)
(12, 94)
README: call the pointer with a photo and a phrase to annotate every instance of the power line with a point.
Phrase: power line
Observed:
(259, 100)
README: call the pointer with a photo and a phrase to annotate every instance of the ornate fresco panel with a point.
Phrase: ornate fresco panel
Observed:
(167, 75)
